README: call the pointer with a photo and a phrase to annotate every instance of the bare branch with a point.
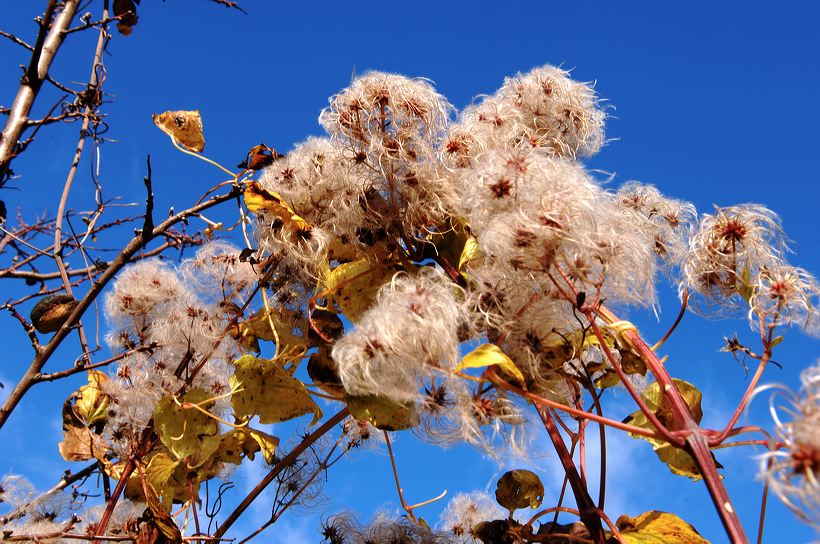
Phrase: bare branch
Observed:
(16, 40)
(45, 50)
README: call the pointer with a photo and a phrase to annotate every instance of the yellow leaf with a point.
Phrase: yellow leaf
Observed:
(487, 355)
(656, 527)
(679, 461)
(470, 252)
(258, 198)
(383, 412)
(185, 127)
(290, 327)
(240, 443)
(263, 388)
(187, 431)
(91, 403)
(354, 286)
(83, 412)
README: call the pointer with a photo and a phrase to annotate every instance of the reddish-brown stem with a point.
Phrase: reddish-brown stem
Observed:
(491, 375)
(280, 466)
(696, 441)
(590, 518)
(715, 440)
(130, 465)
(650, 415)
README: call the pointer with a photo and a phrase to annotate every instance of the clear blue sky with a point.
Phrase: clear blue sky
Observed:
(715, 103)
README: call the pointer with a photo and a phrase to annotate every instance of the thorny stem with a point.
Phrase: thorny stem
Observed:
(586, 507)
(280, 466)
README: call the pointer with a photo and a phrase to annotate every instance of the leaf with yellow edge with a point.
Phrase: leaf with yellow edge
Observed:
(655, 527)
(383, 412)
(241, 443)
(290, 327)
(83, 412)
(487, 355)
(91, 403)
(679, 461)
(470, 252)
(354, 286)
(257, 199)
(263, 388)
(185, 127)
(187, 431)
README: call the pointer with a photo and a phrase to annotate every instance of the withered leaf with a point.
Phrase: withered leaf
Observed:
(185, 127)
(519, 489)
(259, 157)
(656, 527)
(126, 10)
(383, 412)
(678, 460)
(257, 199)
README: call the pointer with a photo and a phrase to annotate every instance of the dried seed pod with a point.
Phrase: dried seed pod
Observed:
(50, 313)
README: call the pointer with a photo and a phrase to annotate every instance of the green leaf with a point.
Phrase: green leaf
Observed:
(187, 431)
(679, 461)
(487, 355)
(263, 388)
(519, 489)
(382, 412)
(656, 527)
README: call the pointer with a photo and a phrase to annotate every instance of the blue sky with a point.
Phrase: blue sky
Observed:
(715, 103)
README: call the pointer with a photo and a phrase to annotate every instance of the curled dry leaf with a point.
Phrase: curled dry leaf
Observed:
(185, 127)
(126, 10)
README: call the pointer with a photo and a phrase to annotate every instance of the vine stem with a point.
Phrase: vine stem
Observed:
(588, 511)
(492, 376)
(280, 466)
(696, 441)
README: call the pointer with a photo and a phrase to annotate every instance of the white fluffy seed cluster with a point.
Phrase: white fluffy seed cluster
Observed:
(396, 168)
(171, 321)
(793, 472)
(410, 332)
(465, 511)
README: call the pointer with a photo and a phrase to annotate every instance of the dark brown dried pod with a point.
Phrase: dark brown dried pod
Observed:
(51, 312)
